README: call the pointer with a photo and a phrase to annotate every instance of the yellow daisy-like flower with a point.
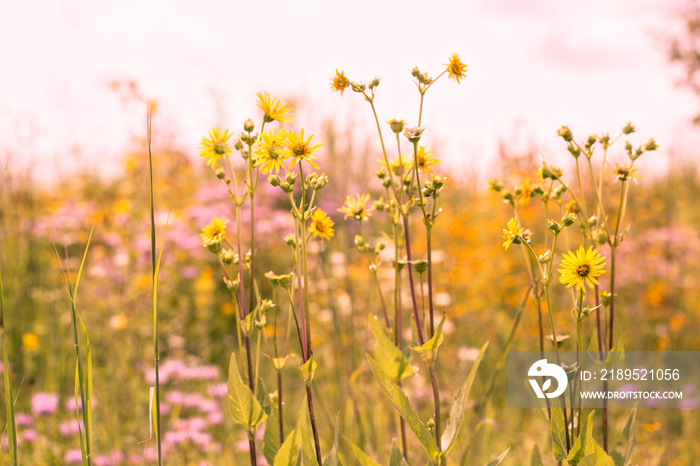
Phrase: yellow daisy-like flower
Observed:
(355, 207)
(321, 225)
(269, 151)
(215, 147)
(626, 172)
(425, 160)
(512, 233)
(456, 69)
(524, 192)
(273, 109)
(581, 268)
(300, 149)
(398, 164)
(215, 232)
(339, 82)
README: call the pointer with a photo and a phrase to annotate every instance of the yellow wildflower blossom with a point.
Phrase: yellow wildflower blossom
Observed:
(456, 69)
(301, 149)
(273, 109)
(339, 82)
(581, 268)
(425, 160)
(513, 234)
(215, 232)
(215, 147)
(355, 207)
(321, 225)
(269, 151)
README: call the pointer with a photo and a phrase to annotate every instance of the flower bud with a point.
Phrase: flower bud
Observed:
(553, 226)
(248, 125)
(290, 240)
(291, 178)
(568, 219)
(629, 129)
(238, 145)
(420, 266)
(357, 87)
(266, 305)
(413, 133)
(374, 83)
(544, 258)
(565, 133)
(650, 145)
(396, 126)
(274, 180)
(575, 151)
(220, 173)
(228, 256)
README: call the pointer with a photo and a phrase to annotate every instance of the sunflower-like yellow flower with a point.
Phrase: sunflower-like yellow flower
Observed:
(300, 149)
(355, 207)
(269, 151)
(581, 268)
(398, 164)
(339, 82)
(321, 225)
(216, 146)
(273, 109)
(626, 172)
(524, 192)
(512, 234)
(456, 69)
(426, 160)
(215, 232)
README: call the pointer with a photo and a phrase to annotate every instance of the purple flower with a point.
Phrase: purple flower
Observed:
(44, 403)
(23, 420)
(29, 435)
(73, 456)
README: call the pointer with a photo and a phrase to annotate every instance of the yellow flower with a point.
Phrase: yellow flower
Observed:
(321, 225)
(30, 341)
(524, 192)
(215, 232)
(512, 234)
(425, 160)
(300, 149)
(572, 207)
(215, 147)
(626, 172)
(581, 268)
(355, 207)
(269, 151)
(398, 164)
(273, 109)
(455, 68)
(339, 82)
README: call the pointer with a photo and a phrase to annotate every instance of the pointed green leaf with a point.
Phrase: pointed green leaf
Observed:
(558, 429)
(454, 422)
(9, 400)
(289, 452)
(245, 409)
(387, 355)
(613, 356)
(333, 459)
(583, 445)
(598, 458)
(628, 432)
(308, 454)
(262, 397)
(397, 396)
(536, 458)
(500, 457)
(271, 438)
(429, 350)
(308, 369)
(152, 417)
(363, 458)
(396, 458)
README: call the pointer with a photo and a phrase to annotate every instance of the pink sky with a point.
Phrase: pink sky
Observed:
(539, 64)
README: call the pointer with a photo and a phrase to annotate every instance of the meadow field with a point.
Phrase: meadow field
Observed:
(280, 297)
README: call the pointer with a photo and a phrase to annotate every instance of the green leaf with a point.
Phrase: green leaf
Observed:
(614, 356)
(536, 458)
(271, 438)
(628, 432)
(9, 400)
(499, 459)
(388, 356)
(262, 397)
(288, 453)
(558, 429)
(363, 458)
(308, 369)
(245, 409)
(583, 445)
(308, 454)
(397, 396)
(598, 458)
(396, 458)
(429, 350)
(454, 422)
(333, 459)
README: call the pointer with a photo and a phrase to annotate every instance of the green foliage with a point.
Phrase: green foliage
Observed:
(403, 405)
(558, 429)
(396, 458)
(333, 459)
(244, 408)
(584, 444)
(429, 350)
(363, 458)
(498, 459)
(388, 356)
(271, 438)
